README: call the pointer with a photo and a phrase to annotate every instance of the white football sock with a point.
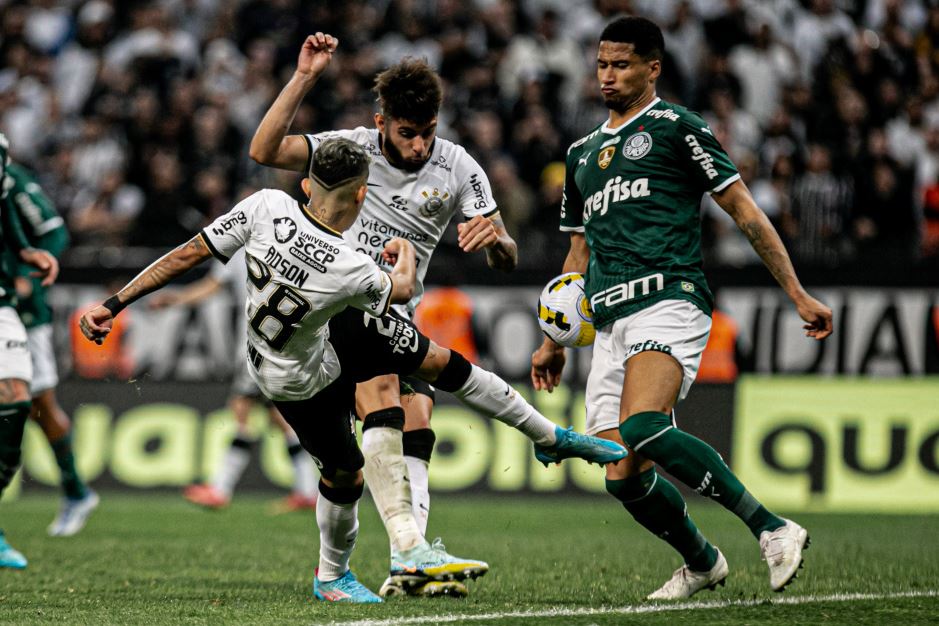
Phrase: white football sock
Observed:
(233, 465)
(495, 398)
(420, 492)
(339, 526)
(386, 475)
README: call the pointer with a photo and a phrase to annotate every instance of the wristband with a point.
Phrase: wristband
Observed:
(114, 305)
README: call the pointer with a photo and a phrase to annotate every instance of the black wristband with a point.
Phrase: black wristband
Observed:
(113, 305)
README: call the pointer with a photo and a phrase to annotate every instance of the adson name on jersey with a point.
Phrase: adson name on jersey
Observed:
(615, 190)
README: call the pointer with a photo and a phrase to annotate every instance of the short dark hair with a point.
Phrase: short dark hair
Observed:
(645, 36)
(409, 90)
(338, 161)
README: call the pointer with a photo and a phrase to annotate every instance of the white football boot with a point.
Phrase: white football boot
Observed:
(782, 551)
(686, 582)
(73, 515)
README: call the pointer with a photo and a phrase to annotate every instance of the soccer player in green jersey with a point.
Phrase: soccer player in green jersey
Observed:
(44, 228)
(15, 365)
(631, 202)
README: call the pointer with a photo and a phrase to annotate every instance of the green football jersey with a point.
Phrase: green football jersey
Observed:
(44, 228)
(12, 238)
(635, 192)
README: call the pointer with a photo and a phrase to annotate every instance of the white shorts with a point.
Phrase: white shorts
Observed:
(676, 327)
(45, 374)
(14, 348)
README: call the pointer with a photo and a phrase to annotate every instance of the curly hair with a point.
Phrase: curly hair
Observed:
(409, 90)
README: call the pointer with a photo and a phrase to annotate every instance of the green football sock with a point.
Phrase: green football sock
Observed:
(656, 504)
(696, 464)
(72, 484)
(13, 418)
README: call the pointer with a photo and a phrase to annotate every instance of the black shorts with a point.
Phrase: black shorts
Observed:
(366, 347)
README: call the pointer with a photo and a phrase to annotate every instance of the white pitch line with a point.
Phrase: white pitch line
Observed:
(638, 610)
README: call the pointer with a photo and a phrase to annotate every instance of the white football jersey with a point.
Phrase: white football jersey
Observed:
(300, 273)
(416, 206)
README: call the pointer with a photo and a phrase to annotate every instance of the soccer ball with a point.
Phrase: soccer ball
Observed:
(564, 313)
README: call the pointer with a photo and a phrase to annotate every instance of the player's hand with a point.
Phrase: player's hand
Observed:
(476, 234)
(817, 317)
(96, 324)
(547, 363)
(47, 266)
(396, 248)
(316, 53)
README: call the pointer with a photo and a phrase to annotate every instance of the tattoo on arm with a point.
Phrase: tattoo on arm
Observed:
(769, 246)
(165, 269)
(502, 255)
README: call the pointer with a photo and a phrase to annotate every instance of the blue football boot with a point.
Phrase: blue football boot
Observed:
(9, 557)
(344, 589)
(571, 444)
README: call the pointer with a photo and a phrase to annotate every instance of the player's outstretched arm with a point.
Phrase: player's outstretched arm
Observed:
(489, 234)
(96, 323)
(271, 145)
(401, 253)
(547, 363)
(739, 204)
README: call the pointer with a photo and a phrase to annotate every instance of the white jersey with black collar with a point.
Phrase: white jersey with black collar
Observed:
(300, 274)
(416, 206)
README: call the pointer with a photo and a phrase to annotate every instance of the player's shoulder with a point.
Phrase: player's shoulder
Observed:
(679, 117)
(579, 145)
(268, 200)
(451, 158)
(365, 137)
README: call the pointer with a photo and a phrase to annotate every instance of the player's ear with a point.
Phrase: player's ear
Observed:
(380, 123)
(360, 195)
(655, 69)
(306, 186)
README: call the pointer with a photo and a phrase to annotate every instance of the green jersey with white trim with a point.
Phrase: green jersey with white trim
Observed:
(635, 192)
(45, 229)
(12, 238)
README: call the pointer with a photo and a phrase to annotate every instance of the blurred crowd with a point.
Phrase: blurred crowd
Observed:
(136, 115)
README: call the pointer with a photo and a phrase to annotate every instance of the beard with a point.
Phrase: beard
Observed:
(616, 103)
(395, 157)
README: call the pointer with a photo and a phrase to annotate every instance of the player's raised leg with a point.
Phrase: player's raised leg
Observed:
(648, 496)
(652, 379)
(487, 393)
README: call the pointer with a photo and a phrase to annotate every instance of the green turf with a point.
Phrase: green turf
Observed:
(155, 559)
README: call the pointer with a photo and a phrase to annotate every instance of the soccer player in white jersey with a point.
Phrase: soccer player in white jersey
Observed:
(417, 183)
(217, 493)
(318, 323)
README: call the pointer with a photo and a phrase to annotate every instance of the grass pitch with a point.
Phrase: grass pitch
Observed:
(147, 559)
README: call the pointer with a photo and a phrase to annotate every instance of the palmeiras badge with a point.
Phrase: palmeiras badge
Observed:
(637, 146)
